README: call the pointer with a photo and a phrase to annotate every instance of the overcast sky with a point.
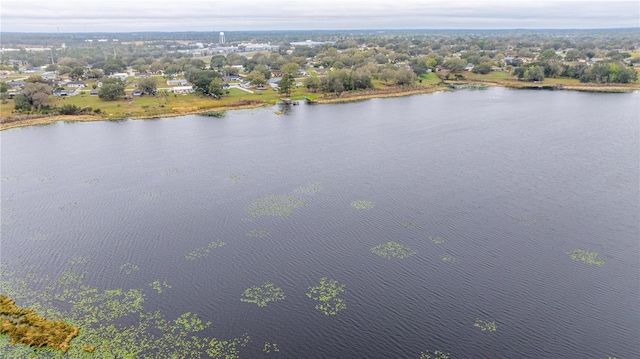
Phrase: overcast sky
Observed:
(226, 15)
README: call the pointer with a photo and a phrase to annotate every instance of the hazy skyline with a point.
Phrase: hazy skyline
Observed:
(224, 15)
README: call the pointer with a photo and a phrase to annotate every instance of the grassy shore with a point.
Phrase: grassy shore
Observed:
(171, 105)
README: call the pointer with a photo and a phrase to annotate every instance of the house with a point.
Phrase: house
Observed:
(137, 93)
(16, 84)
(93, 93)
(232, 78)
(76, 84)
(64, 93)
(469, 67)
(142, 75)
(177, 82)
(119, 75)
(183, 90)
(49, 76)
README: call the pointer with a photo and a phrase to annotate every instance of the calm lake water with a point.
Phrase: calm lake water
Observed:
(511, 180)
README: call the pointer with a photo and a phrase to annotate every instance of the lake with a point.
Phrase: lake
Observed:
(489, 223)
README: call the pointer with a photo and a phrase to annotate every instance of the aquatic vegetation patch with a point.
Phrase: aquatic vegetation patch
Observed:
(447, 258)
(128, 268)
(257, 233)
(9, 179)
(327, 294)
(311, 187)
(437, 240)
(204, 251)
(271, 347)
(485, 326)
(44, 178)
(393, 249)
(438, 354)
(159, 286)
(275, 205)
(151, 195)
(172, 171)
(527, 221)
(235, 177)
(362, 204)
(92, 181)
(67, 207)
(148, 335)
(26, 327)
(409, 225)
(263, 294)
(591, 258)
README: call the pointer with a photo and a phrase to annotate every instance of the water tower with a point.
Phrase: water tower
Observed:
(221, 37)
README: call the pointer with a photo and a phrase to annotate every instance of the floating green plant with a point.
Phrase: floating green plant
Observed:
(327, 294)
(204, 251)
(235, 177)
(271, 347)
(151, 195)
(585, 257)
(409, 225)
(311, 187)
(172, 171)
(257, 233)
(67, 207)
(274, 205)
(92, 181)
(9, 179)
(362, 204)
(44, 178)
(393, 249)
(527, 221)
(447, 258)
(159, 286)
(98, 312)
(437, 240)
(438, 354)
(27, 327)
(128, 268)
(263, 294)
(485, 326)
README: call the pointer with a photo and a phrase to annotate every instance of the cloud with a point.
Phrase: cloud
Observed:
(199, 15)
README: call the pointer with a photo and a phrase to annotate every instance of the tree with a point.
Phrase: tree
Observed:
(37, 94)
(76, 72)
(215, 87)
(112, 89)
(455, 64)
(201, 78)
(482, 68)
(148, 85)
(256, 77)
(218, 62)
(405, 77)
(265, 71)
(290, 68)
(286, 84)
(312, 83)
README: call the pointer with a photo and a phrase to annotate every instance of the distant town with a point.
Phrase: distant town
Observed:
(90, 75)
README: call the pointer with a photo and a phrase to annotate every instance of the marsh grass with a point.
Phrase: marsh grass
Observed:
(591, 258)
(311, 187)
(362, 204)
(257, 233)
(485, 326)
(438, 354)
(204, 251)
(275, 205)
(26, 327)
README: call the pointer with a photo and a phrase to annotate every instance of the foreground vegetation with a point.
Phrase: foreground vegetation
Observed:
(26, 327)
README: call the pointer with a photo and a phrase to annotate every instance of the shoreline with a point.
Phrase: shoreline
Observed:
(447, 85)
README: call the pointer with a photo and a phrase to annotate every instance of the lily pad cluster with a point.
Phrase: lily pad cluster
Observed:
(99, 314)
(275, 205)
(447, 258)
(204, 251)
(271, 347)
(235, 177)
(438, 354)
(393, 249)
(159, 286)
(437, 240)
(485, 326)
(585, 257)
(362, 204)
(327, 294)
(151, 195)
(128, 268)
(263, 294)
(257, 233)
(409, 225)
(311, 187)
